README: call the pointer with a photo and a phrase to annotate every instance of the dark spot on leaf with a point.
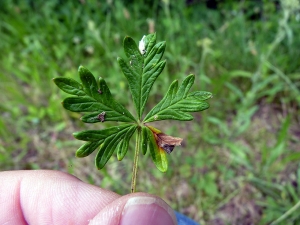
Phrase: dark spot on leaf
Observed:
(101, 117)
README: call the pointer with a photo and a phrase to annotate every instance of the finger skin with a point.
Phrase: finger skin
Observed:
(53, 197)
(49, 197)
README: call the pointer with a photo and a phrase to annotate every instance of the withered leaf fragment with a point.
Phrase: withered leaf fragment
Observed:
(167, 142)
(164, 141)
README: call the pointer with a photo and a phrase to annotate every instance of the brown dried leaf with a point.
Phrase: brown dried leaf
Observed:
(167, 142)
(164, 141)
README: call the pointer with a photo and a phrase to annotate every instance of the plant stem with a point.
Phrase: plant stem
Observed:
(136, 159)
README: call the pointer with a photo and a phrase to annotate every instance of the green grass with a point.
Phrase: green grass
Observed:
(240, 158)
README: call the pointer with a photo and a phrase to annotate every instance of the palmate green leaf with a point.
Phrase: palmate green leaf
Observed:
(92, 97)
(143, 65)
(177, 102)
(142, 69)
(109, 140)
(111, 143)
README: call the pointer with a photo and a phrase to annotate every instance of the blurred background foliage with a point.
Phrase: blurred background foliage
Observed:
(240, 160)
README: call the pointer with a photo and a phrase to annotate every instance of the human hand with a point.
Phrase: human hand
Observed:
(52, 197)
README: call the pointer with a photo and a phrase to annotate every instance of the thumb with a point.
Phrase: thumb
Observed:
(137, 208)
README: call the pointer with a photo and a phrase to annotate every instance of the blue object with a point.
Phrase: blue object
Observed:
(184, 220)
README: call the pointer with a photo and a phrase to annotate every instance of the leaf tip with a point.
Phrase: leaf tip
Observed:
(99, 166)
(127, 38)
(75, 134)
(82, 70)
(80, 67)
(55, 80)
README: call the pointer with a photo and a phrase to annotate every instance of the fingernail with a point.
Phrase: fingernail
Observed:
(147, 211)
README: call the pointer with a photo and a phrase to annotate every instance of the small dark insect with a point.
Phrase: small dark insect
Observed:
(168, 148)
(99, 91)
(101, 117)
